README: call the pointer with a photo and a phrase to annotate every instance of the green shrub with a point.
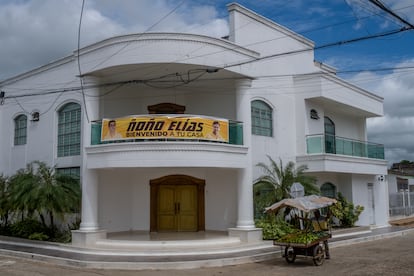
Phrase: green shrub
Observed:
(346, 212)
(39, 237)
(26, 227)
(5, 230)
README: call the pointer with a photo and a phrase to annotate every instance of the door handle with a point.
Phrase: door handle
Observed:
(177, 207)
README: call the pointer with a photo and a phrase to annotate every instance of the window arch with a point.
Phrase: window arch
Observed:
(20, 130)
(262, 118)
(69, 130)
(330, 146)
(329, 190)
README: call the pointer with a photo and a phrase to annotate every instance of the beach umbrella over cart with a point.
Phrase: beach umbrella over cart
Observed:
(304, 203)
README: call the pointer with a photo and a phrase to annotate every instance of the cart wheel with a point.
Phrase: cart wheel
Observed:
(290, 255)
(318, 255)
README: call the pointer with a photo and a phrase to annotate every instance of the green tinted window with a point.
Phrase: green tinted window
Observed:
(69, 126)
(72, 171)
(20, 130)
(262, 119)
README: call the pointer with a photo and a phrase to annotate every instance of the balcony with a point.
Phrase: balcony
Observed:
(235, 136)
(321, 144)
(167, 152)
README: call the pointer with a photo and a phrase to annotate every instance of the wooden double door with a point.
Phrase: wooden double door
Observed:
(177, 204)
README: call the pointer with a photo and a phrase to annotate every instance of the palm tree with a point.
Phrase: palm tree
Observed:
(280, 178)
(39, 189)
(5, 206)
(55, 194)
(20, 186)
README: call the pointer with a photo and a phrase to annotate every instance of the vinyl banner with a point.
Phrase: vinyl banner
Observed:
(165, 127)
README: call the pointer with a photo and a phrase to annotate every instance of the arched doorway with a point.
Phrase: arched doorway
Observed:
(329, 190)
(330, 146)
(177, 204)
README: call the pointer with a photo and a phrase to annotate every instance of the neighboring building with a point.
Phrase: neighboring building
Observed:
(401, 189)
(164, 173)
(406, 168)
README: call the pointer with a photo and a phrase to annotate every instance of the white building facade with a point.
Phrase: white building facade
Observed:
(261, 79)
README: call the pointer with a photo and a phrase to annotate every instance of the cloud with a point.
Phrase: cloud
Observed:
(35, 32)
(396, 128)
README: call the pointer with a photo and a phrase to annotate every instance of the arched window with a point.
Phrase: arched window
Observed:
(329, 190)
(20, 130)
(69, 130)
(262, 119)
(329, 136)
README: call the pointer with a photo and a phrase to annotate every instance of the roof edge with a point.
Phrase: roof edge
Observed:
(268, 22)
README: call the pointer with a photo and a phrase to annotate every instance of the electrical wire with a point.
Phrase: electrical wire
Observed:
(79, 66)
(179, 81)
(308, 31)
(379, 4)
(338, 43)
(320, 47)
(146, 31)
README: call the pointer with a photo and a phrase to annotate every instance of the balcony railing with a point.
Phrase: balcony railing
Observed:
(235, 136)
(320, 143)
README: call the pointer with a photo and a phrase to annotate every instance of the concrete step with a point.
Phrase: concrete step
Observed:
(143, 258)
(167, 244)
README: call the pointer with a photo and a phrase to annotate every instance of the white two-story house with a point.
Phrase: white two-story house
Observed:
(168, 168)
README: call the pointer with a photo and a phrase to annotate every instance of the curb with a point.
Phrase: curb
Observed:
(146, 260)
(370, 238)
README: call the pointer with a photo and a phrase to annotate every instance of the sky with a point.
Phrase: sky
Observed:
(36, 32)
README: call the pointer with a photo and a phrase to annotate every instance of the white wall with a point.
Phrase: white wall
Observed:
(360, 196)
(221, 199)
(381, 202)
(115, 192)
(248, 29)
(346, 125)
(41, 135)
(211, 100)
(392, 183)
(124, 197)
(277, 93)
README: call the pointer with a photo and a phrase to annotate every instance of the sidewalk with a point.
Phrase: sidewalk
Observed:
(176, 257)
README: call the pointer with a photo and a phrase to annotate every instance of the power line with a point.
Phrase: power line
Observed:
(157, 82)
(379, 4)
(146, 31)
(307, 31)
(79, 66)
(338, 43)
(265, 57)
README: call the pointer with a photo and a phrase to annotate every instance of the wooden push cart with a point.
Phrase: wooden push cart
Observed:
(317, 247)
(314, 250)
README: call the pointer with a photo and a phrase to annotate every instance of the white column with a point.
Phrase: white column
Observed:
(90, 111)
(381, 202)
(245, 175)
(89, 230)
(89, 219)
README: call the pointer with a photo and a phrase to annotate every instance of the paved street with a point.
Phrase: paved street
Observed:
(391, 256)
